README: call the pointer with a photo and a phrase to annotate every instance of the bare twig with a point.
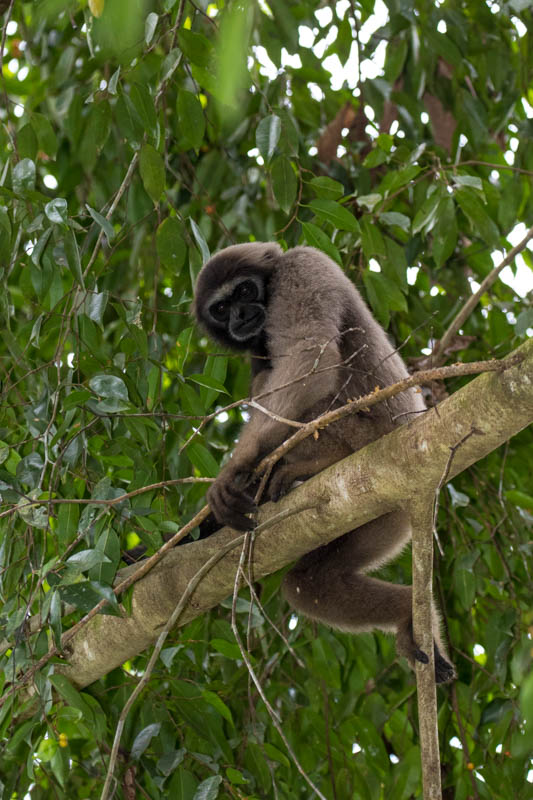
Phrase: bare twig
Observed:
(113, 501)
(171, 622)
(439, 351)
(378, 396)
(272, 713)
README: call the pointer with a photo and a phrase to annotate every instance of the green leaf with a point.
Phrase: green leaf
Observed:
(170, 760)
(214, 700)
(200, 241)
(4, 451)
(74, 698)
(55, 617)
(216, 368)
(208, 789)
(84, 596)
(371, 238)
(102, 222)
(170, 243)
(202, 459)
(233, 40)
(67, 522)
(94, 306)
(86, 559)
(524, 321)
(109, 386)
(393, 218)
(97, 130)
(113, 81)
(404, 176)
(384, 295)
(129, 120)
(284, 183)
(76, 398)
(276, 755)
(267, 136)
(237, 778)
(24, 175)
(40, 247)
(150, 24)
(443, 45)
(45, 134)
(228, 649)
(315, 237)
(72, 254)
(375, 158)
(36, 516)
(520, 499)
(145, 108)
(468, 180)
(337, 215)
(197, 48)
(426, 217)
(474, 210)
(27, 144)
(191, 120)
(445, 231)
(152, 169)
(143, 739)
(369, 201)
(397, 50)
(29, 469)
(208, 382)
(326, 187)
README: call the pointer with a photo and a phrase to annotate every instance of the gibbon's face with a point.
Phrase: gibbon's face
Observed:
(238, 309)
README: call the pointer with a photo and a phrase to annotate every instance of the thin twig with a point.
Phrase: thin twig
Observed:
(272, 713)
(378, 396)
(443, 480)
(439, 351)
(171, 622)
(113, 501)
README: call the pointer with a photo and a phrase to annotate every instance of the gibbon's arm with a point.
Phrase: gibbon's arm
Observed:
(303, 354)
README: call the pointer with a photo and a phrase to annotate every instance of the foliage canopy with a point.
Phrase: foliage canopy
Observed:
(136, 138)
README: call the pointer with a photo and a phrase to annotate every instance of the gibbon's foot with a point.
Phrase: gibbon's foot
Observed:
(444, 671)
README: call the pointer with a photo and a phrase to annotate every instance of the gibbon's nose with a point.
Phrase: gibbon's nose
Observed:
(246, 313)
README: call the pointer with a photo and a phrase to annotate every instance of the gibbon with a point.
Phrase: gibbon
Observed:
(314, 346)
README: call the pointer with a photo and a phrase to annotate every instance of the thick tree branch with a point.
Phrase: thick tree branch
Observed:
(382, 476)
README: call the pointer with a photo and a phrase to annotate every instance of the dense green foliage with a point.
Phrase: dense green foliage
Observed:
(133, 144)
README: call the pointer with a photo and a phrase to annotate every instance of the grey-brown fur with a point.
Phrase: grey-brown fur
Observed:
(321, 343)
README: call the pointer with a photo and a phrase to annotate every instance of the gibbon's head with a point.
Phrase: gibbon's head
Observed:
(231, 293)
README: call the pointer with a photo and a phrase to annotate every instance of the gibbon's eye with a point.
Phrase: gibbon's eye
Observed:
(220, 311)
(246, 292)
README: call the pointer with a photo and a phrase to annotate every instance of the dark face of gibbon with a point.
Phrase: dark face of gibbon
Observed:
(235, 312)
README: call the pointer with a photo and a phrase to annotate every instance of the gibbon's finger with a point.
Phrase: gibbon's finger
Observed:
(230, 509)
(421, 656)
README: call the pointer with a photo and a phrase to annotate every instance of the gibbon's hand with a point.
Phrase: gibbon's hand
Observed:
(280, 483)
(229, 499)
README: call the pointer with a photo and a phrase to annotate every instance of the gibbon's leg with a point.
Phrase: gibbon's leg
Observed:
(329, 585)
